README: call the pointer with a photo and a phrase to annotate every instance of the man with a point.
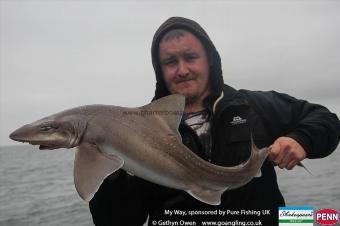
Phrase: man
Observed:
(217, 125)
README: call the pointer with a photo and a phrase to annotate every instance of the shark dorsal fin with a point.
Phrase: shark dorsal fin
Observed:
(170, 108)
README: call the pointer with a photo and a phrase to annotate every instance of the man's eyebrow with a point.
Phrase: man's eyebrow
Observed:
(168, 57)
(191, 53)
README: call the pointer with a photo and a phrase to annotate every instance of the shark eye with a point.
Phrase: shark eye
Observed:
(45, 128)
(48, 127)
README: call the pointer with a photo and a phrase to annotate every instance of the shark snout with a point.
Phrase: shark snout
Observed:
(26, 134)
(13, 136)
(46, 136)
(23, 136)
(18, 135)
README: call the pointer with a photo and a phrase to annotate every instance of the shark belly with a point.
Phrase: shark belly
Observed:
(160, 171)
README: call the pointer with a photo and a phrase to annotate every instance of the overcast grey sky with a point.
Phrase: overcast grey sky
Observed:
(60, 54)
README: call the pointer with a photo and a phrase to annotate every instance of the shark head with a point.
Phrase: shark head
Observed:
(57, 131)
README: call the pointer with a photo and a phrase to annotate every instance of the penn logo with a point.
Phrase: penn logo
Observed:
(327, 217)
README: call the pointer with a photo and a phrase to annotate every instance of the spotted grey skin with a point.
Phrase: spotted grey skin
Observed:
(143, 141)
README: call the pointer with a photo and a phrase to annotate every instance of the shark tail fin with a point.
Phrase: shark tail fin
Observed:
(303, 166)
(212, 197)
(252, 143)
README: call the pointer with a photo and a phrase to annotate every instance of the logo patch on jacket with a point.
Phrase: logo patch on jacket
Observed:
(238, 120)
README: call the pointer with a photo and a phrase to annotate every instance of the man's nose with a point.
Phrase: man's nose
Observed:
(183, 69)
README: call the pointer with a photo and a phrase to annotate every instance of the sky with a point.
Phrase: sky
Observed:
(58, 54)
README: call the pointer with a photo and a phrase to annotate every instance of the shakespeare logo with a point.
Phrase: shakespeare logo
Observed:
(296, 215)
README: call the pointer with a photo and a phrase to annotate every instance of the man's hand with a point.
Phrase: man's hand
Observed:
(286, 153)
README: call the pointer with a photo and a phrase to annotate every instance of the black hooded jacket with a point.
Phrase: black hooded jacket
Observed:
(128, 200)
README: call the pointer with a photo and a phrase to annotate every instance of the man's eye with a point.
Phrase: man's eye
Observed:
(170, 62)
(191, 58)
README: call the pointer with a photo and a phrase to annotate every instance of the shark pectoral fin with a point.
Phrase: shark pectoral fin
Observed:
(91, 167)
(171, 109)
(212, 197)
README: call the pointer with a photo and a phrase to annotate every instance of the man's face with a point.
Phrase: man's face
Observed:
(185, 66)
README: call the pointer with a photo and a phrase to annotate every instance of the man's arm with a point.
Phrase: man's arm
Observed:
(313, 127)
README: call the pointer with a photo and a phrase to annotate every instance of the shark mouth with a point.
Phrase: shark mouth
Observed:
(41, 146)
(45, 147)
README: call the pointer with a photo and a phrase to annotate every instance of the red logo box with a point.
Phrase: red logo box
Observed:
(327, 216)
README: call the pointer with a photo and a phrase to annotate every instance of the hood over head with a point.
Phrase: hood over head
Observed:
(216, 77)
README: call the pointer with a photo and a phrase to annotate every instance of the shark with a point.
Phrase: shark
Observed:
(143, 141)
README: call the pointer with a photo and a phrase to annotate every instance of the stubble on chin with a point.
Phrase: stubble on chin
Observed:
(190, 99)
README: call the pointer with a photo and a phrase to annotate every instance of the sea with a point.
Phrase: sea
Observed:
(36, 187)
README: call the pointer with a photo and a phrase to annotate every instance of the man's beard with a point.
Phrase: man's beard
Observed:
(191, 99)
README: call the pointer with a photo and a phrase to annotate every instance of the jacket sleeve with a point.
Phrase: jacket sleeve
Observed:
(121, 200)
(313, 126)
